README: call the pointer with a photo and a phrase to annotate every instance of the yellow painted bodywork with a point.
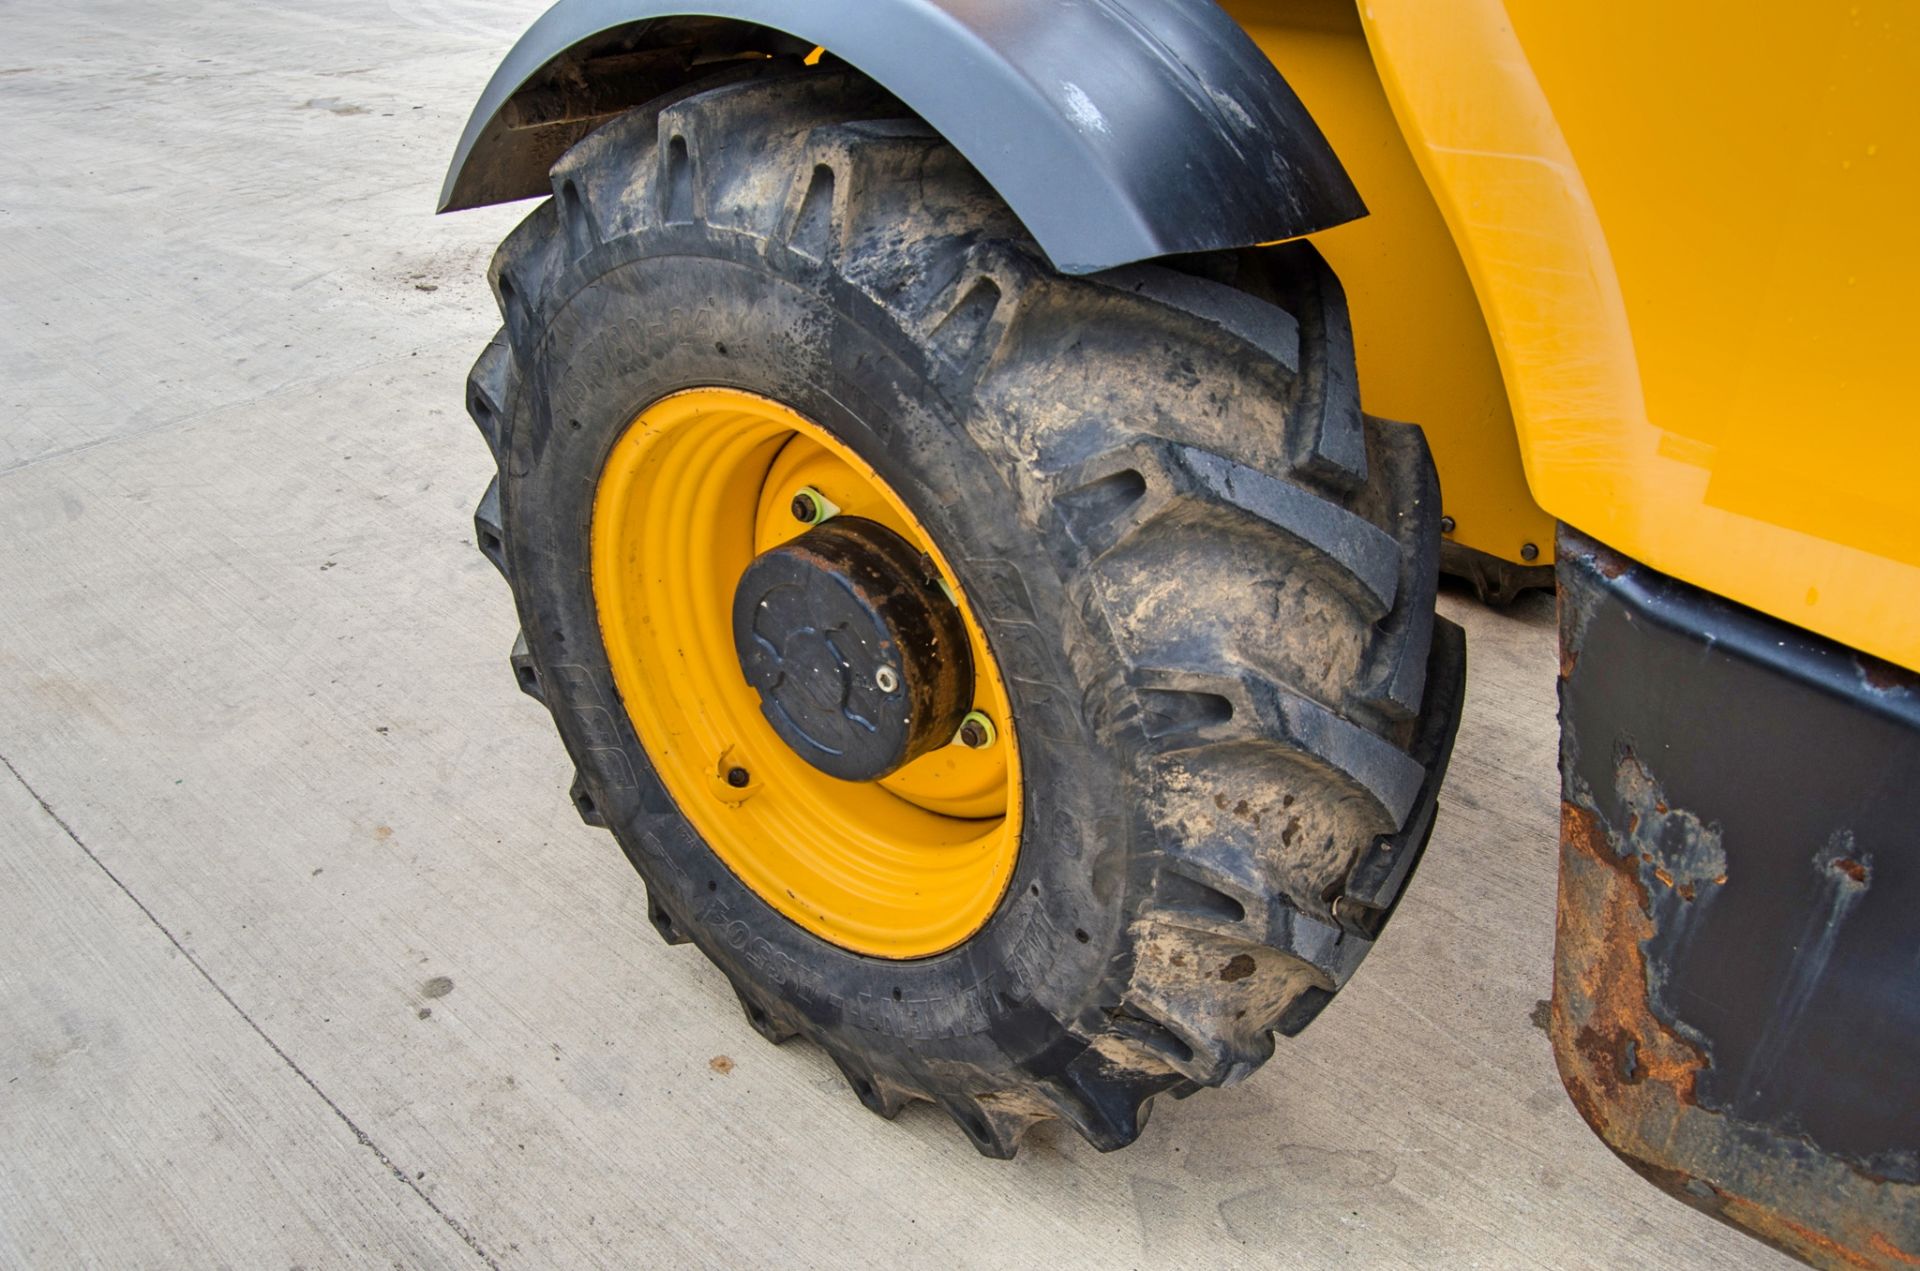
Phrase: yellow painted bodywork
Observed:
(696, 487)
(1688, 232)
(1423, 349)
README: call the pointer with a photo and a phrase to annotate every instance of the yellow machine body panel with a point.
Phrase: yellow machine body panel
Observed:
(1423, 348)
(1646, 270)
(1691, 232)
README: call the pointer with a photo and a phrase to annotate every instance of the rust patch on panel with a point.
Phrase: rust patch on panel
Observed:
(1632, 1075)
(1601, 1014)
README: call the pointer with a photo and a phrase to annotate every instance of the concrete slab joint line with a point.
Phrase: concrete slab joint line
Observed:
(360, 1135)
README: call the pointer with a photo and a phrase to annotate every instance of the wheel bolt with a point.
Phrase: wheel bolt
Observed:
(738, 777)
(810, 507)
(976, 731)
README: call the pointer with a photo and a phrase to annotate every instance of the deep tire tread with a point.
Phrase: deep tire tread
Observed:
(487, 386)
(490, 534)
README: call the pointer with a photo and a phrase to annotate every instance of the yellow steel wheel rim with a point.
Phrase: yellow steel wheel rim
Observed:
(695, 488)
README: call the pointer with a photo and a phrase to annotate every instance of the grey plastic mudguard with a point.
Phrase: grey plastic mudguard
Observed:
(1117, 130)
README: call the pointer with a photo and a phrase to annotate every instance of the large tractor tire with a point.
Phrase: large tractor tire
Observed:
(1017, 684)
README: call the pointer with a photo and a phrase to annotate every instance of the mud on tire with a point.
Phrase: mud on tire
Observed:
(1207, 576)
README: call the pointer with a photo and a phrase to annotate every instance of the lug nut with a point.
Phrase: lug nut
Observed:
(1446, 525)
(886, 679)
(810, 507)
(738, 778)
(976, 731)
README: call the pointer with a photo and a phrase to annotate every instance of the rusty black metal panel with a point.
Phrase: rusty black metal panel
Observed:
(1117, 130)
(1737, 979)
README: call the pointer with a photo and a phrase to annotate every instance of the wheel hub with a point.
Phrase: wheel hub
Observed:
(860, 660)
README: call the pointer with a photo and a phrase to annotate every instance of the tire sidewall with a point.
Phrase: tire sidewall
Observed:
(648, 315)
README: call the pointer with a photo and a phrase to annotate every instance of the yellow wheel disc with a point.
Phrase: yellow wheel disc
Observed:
(697, 486)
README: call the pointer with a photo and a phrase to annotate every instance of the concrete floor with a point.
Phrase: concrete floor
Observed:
(305, 959)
